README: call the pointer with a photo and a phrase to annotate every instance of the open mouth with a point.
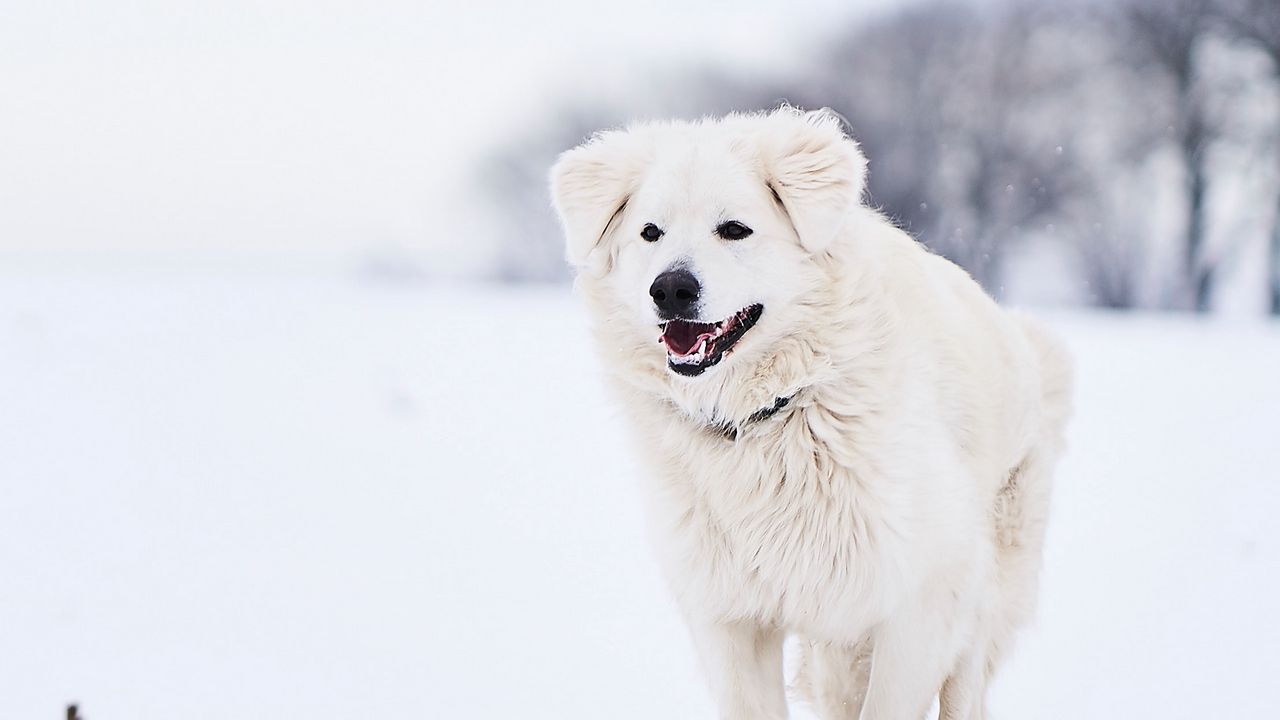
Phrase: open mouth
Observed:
(692, 347)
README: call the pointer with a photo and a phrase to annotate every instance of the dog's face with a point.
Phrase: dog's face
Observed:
(701, 252)
(707, 233)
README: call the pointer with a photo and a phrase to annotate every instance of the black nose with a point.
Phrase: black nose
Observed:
(675, 292)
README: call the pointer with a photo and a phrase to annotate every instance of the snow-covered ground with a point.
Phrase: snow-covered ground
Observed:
(230, 494)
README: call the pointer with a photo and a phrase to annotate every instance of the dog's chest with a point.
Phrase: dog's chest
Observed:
(765, 526)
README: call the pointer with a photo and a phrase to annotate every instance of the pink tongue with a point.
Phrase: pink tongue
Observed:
(682, 336)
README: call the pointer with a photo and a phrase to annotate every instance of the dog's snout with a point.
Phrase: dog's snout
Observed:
(675, 292)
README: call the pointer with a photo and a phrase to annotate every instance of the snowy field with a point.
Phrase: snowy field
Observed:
(243, 495)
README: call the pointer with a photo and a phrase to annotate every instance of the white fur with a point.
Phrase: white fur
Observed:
(892, 513)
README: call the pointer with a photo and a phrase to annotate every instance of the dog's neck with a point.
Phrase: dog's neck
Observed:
(730, 430)
(746, 396)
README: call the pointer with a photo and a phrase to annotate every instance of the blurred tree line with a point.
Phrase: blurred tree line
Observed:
(1133, 143)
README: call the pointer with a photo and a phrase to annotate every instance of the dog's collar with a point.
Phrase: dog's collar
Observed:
(729, 431)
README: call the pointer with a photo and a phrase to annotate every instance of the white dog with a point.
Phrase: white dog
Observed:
(848, 440)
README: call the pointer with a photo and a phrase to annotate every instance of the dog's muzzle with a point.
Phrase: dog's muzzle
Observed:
(693, 346)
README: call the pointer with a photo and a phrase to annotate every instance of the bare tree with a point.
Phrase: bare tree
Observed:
(1016, 177)
(943, 97)
(1111, 121)
(1258, 22)
(1167, 34)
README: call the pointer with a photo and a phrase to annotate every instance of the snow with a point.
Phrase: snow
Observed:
(233, 494)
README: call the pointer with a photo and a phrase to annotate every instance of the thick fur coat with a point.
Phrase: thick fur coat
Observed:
(869, 466)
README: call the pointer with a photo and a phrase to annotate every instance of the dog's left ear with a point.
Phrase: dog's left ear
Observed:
(815, 169)
(590, 185)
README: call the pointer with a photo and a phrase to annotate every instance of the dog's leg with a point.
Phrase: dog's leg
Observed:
(964, 693)
(911, 657)
(833, 678)
(744, 664)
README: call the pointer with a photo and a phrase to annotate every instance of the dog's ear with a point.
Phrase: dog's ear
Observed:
(815, 169)
(591, 184)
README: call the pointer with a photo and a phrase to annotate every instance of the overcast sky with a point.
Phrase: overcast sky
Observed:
(312, 124)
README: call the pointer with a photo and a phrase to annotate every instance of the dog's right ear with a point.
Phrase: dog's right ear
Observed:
(590, 185)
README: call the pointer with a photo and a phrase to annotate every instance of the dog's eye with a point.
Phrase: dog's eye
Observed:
(651, 232)
(733, 230)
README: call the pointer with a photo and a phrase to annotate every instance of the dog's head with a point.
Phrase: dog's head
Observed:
(709, 235)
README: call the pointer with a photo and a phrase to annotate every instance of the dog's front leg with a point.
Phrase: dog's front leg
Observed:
(743, 662)
(912, 654)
